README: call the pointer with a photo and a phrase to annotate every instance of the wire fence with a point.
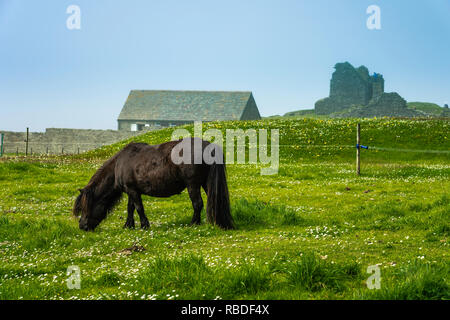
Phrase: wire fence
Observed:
(58, 148)
(77, 148)
(347, 146)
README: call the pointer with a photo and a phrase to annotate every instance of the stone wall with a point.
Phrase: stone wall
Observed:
(377, 85)
(57, 141)
(388, 104)
(327, 106)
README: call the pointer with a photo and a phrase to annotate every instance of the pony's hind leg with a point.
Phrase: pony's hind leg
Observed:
(130, 218)
(197, 203)
(140, 209)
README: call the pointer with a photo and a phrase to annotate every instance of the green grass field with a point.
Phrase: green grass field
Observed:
(309, 232)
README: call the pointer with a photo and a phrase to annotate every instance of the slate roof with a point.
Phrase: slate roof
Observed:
(184, 105)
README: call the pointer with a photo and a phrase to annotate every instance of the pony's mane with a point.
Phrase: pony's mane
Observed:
(89, 192)
(104, 170)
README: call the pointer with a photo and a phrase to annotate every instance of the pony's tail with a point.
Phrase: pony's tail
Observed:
(218, 205)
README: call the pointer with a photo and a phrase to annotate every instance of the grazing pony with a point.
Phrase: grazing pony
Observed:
(140, 168)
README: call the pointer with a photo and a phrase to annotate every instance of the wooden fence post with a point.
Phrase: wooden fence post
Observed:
(26, 142)
(1, 148)
(358, 149)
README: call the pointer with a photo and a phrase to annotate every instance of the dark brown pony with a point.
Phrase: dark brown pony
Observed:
(140, 168)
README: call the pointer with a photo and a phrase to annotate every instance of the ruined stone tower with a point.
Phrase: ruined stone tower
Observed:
(350, 86)
(377, 85)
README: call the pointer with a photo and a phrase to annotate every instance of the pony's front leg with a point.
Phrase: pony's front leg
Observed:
(197, 203)
(140, 209)
(130, 218)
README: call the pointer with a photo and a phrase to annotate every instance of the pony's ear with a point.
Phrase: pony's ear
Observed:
(81, 190)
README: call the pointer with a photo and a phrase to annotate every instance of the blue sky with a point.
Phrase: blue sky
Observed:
(282, 51)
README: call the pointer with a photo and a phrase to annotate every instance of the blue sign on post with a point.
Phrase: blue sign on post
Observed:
(361, 146)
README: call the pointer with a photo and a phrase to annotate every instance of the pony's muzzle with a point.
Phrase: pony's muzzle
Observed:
(85, 225)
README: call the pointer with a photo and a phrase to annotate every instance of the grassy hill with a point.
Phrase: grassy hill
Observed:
(315, 139)
(300, 113)
(309, 232)
(426, 107)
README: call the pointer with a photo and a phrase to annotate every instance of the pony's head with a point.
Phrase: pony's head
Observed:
(98, 197)
(90, 210)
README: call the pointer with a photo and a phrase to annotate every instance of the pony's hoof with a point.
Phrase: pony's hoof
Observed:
(129, 225)
(145, 225)
(195, 223)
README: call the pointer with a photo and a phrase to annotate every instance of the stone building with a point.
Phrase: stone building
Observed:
(445, 111)
(152, 109)
(354, 92)
(350, 86)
